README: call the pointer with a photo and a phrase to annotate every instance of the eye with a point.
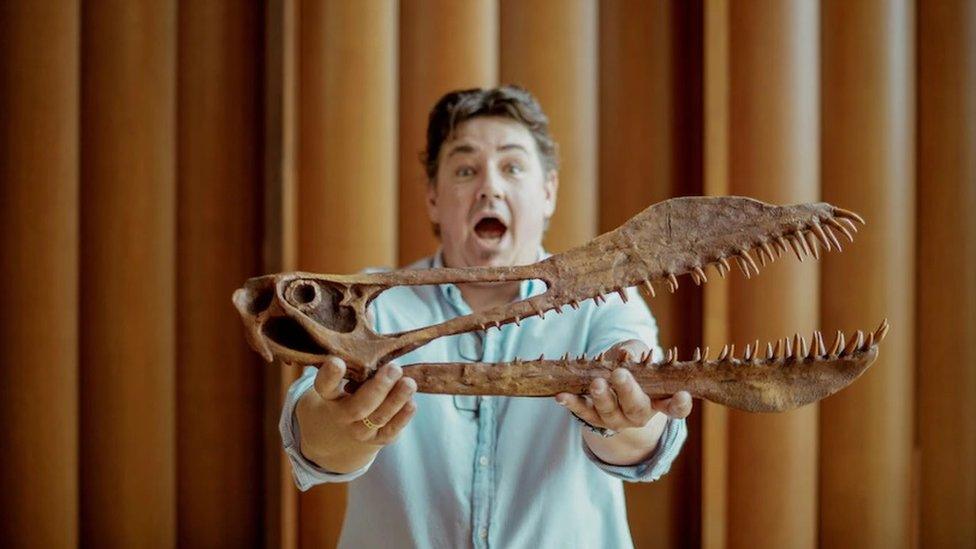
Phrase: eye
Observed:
(514, 168)
(464, 171)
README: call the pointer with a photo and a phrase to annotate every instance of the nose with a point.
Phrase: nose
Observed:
(491, 185)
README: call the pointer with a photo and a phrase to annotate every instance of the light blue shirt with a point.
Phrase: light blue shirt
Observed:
(490, 471)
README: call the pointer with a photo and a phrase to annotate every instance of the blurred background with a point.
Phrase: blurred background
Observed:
(156, 153)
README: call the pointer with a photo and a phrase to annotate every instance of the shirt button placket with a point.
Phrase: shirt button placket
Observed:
(484, 473)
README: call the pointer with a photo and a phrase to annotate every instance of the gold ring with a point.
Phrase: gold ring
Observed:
(370, 424)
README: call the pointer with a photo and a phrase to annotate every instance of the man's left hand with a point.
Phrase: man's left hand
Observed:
(622, 404)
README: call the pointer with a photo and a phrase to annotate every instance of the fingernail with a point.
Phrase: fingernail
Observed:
(598, 387)
(393, 371)
(620, 375)
(561, 401)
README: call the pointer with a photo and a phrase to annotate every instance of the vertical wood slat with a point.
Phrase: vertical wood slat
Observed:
(715, 321)
(219, 227)
(773, 157)
(946, 272)
(39, 71)
(444, 45)
(868, 166)
(127, 330)
(550, 48)
(279, 249)
(347, 158)
(650, 119)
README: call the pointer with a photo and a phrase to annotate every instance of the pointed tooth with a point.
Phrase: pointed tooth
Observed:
(704, 356)
(723, 354)
(649, 359)
(882, 331)
(565, 357)
(696, 356)
(649, 287)
(643, 357)
(747, 354)
(574, 304)
(854, 344)
(776, 349)
(802, 241)
(787, 348)
(623, 294)
(840, 227)
(817, 230)
(838, 344)
(752, 262)
(498, 325)
(732, 352)
(783, 245)
(814, 248)
(769, 351)
(599, 357)
(518, 321)
(598, 298)
(869, 342)
(542, 357)
(798, 248)
(797, 350)
(720, 269)
(819, 344)
(668, 358)
(701, 274)
(847, 214)
(849, 224)
(769, 251)
(833, 238)
(743, 266)
(694, 278)
(674, 282)
(803, 349)
(725, 263)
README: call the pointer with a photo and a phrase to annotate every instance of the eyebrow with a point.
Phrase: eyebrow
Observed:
(465, 148)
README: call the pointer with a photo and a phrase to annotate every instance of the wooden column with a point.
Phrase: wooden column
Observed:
(650, 150)
(219, 242)
(715, 294)
(39, 70)
(946, 272)
(774, 157)
(550, 47)
(347, 185)
(128, 259)
(868, 166)
(279, 252)
(444, 45)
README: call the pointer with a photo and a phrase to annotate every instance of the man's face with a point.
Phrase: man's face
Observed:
(492, 196)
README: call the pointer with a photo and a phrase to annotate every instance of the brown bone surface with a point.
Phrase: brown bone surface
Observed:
(302, 317)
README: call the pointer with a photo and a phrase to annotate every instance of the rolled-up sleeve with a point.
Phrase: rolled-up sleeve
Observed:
(610, 324)
(305, 472)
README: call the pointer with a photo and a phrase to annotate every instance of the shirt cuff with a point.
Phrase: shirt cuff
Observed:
(306, 473)
(656, 466)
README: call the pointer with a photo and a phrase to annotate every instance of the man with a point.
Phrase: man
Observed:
(452, 471)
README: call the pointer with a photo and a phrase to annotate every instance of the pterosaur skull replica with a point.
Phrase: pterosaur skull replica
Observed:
(302, 317)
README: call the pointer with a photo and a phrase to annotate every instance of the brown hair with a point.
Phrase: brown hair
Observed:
(506, 101)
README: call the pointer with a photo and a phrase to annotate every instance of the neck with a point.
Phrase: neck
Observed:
(485, 296)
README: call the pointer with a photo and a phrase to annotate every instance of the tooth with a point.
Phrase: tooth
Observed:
(644, 356)
(540, 313)
(598, 298)
(798, 351)
(838, 344)
(747, 354)
(782, 244)
(855, 343)
(669, 358)
(695, 279)
(869, 342)
(558, 309)
(833, 238)
(623, 294)
(847, 214)
(483, 327)
(743, 265)
(752, 262)
(776, 350)
(649, 359)
(769, 351)
(882, 331)
(574, 304)
(821, 235)
(732, 352)
(696, 356)
(498, 325)
(673, 281)
(701, 274)
(720, 269)
(769, 251)
(649, 287)
(787, 348)
(565, 357)
(517, 321)
(704, 356)
(797, 248)
(802, 241)
(542, 357)
(819, 344)
(517, 360)
(837, 225)
(849, 224)
(599, 357)
(725, 263)
(723, 354)
(814, 249)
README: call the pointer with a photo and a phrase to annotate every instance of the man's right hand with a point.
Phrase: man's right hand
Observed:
(333, 433)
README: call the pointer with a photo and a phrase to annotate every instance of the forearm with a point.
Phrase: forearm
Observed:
(629, 446)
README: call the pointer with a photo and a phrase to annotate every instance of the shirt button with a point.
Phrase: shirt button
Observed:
(483, 461)
(483, 533)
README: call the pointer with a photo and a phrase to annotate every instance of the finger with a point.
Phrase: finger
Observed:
(397, 397)
(631, 350)
(579, 405)
(677, 406)
(390, 431)
(634, 402)
(605, 402)
(328, 379)
(368, 397)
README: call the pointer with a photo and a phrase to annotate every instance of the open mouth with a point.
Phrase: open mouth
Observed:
(491, 229)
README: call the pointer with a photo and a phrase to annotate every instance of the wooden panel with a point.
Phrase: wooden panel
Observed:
(947, 272)
(773, 156)
(279, 249)
(219, 234)
(715, 294)
(128, 269)
(650, 150)
(444, 45)
(39, 69)
(550, 48)
(868, 166)
(347, 185)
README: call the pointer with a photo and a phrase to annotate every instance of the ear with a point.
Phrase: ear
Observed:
(550, 188)
(431, 202)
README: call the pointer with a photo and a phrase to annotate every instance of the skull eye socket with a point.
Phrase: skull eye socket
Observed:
(304, 294)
